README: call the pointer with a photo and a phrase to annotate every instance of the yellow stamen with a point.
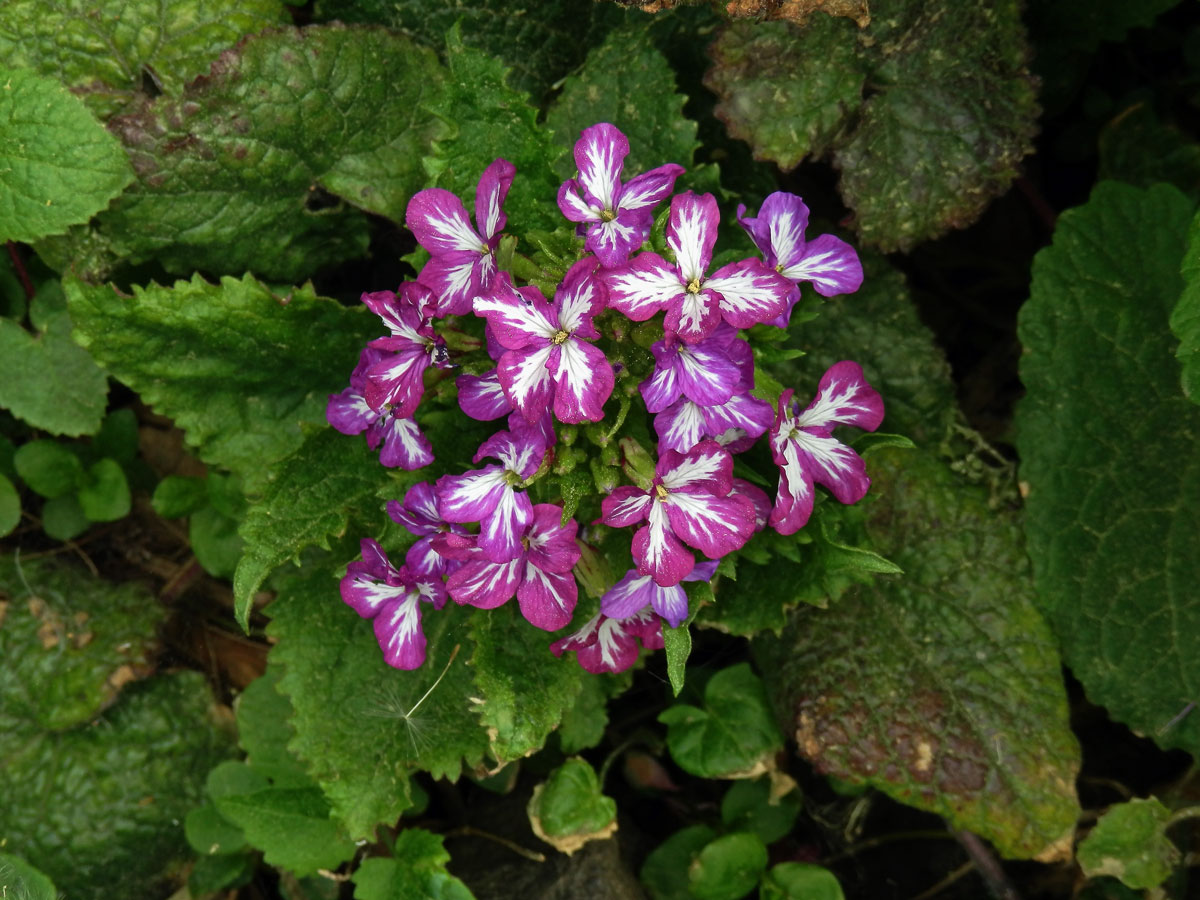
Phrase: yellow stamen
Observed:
(694, 286)
(559, 337)
(660, 491)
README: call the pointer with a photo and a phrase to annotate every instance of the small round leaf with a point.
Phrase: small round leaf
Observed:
(50, 468)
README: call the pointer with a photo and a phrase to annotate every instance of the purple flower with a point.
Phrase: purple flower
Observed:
(742, 293)
(548, 360)
(392, 597)
(828, 263)
(689, 500)
(806, 452)
(462, 260)
(540, 575)
(420, 515)
(605, 644)
(617, 216)
(635, 592)
(703, 372)
(403, 444)
(398, 378)
(487, 495)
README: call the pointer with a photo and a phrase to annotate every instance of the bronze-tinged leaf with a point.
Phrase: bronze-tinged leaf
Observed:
(799, 11)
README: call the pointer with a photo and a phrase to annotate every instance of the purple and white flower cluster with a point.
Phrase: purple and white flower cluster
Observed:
(550, 359)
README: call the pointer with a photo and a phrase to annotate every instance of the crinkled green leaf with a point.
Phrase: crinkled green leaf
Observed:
(264, 731)
(787, 91)
(750, 806)
(629, 83)
(179, 495)
(665, 872)
(10, 506)
(1130, 843)
(733, 736)
(539, 41)
(70, 642)
(211, 834)
(1185, 317)
(800, 881)
(525, 689)
(51, 469)
(238, 367)
(928, 685)
(568, 809)
(21, 881)
(58, 166)
(105, 54)
(485, 119)
(417, 868)
(1108, 456)
(104, 495)
(354, 716)
(728, 867)
(49, 381)
(236, 173)
(101, 806)
(584, 722)
(211, 874)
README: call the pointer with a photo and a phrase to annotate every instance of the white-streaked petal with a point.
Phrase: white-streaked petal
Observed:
(642, 288)
(600, 155)
(439, 221)
(705, 467)
(843, 398)
(691, 233)
(750, 292)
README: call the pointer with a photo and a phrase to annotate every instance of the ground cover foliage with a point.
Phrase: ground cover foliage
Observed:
(976, 678)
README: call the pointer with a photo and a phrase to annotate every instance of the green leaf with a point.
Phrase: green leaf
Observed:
(677, 643)
(49, 381)
(179, 495)
(733, 736)
(485, 120)
(1130, 843)
(238, 367)
(1108, 456)
(1185, 317)
(70, 643)
(1140, 149)
(665, 872)
(264, 731)
(568, 810)
(290, 825)
(584, 722)
(59, 166)
(236, 172)
(627, 82)
(211, 834)
(105, 58)
(927, 686)
(358, 723)
(21, 881)
(63, 518)
(539, 41)
(215, 541)
(524, 688)
(100, 807)
(211, 874)
(118, 435)
(800, 881)
(749, 806)
(316, 492)
(49, 468)
(104, 495)
(727, 868)
(787, 91)
(10, 506)
(417, 869)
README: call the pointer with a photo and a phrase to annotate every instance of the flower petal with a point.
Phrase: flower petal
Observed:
(583, 379)
(500, 532)
(614, 240)
(547, 599)
(628, 596)
(398, 381)
(573, 206)
(757, 496)
(552, 546)
(489, 197)
(642, 288)
(521, 451)
(694, 315)
(398, 630)
(600, 155)
(419, 512)
(713, 525)
(626, 505)
(794, 498)
(581, 296)
(649, 188)
(518, 317)
(833, 464)
(472, 496)
(658, 553)
(602, 645)
(404, 446)
(439, 221)
(843, 398)
(526, 380)
(739, 422)
(830, 264)
(349, 411)
(691, 233)
(484, 584)
(482, 396)
(750, 292)
(779, 229)
(457, 279)
(680, 426)
(705, 468)
(706, 374)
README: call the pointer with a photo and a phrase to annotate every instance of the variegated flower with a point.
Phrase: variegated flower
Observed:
(742, 293)
(605, 644)
(616, 217)
(397, 380)
(636, 592)
(806, 452)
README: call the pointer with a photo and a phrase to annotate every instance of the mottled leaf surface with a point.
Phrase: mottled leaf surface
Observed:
(105, 53)
(70, 642)
(1130, 843)
(356, 726)
(567, 810)
(1185, 317)
(244, 170)
(58, 166)
(101, 806)
(928, 685)
(525, 689)
(238, 367)
(626, 81)
(1108, 455)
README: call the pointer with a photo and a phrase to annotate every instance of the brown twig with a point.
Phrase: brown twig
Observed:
(954, 876)
(469, 831)
(998, 885)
